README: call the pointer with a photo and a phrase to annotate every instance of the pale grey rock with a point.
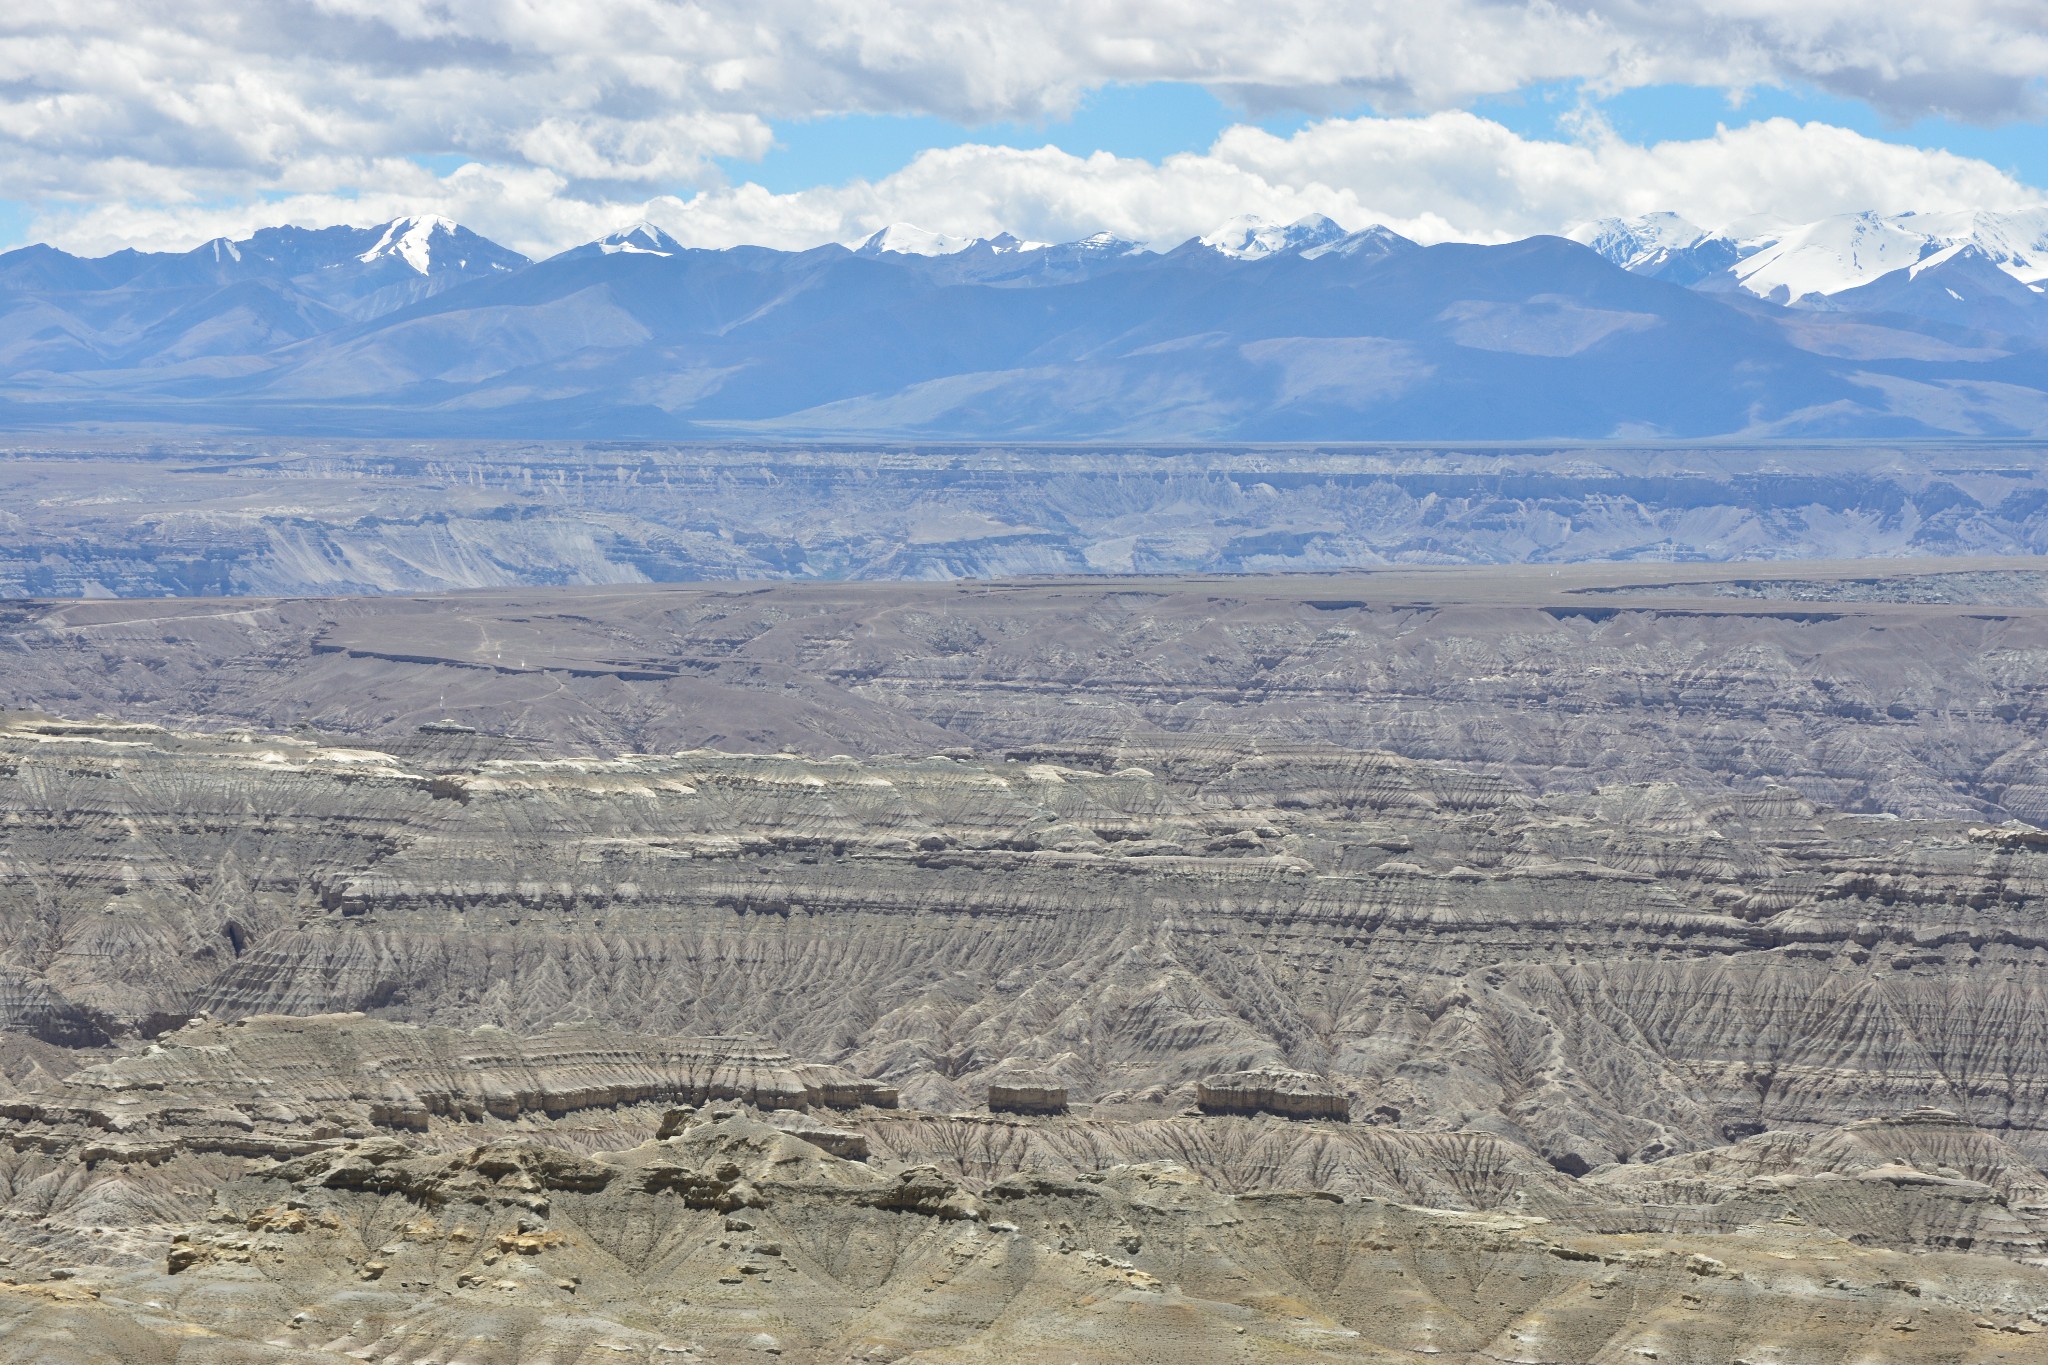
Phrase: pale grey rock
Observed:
(281, 1083)
(1647, 1021)
(1273, 1090)
(1625, 974)
(841, 1142)
(1026, 1094)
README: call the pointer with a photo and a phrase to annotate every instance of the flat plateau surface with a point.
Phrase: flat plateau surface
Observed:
(1886, 687)
(186, 517)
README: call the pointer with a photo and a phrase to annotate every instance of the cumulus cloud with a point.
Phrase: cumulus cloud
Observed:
(1438, 177)
(1435, 177)
(568, 112)
(524, 208)
(1473, 173)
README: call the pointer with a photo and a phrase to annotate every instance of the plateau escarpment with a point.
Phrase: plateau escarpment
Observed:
(307, 517)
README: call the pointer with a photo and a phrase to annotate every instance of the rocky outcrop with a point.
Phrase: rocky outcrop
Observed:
(1924, 1178)
(735, 1238)
(835, 1087)
(213, 1174)
(281, 1084)
(848, 1143)
(1273, 1090)
(1026, 1094)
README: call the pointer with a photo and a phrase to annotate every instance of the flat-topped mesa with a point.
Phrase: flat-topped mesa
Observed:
(1027, 1094)
(848, 1143)
(2011, 834)
(1273, 1090)
(834, 1087)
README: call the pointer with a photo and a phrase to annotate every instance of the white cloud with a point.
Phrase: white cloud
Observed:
(1481, 177)
(678, 147)
(523, 208)
(1436, 177)
(227, 95)
(139, 112)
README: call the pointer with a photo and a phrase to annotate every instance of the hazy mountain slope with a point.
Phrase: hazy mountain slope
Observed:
(248, 298)
(1960, 286)
(1533, 339)
(1536, 338)
(1264, 333)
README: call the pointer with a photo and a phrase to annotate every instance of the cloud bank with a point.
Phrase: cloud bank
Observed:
(171, 117)
(1436, 177)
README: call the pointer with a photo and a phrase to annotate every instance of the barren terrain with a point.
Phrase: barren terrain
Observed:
(1608, 963)
(180, 516)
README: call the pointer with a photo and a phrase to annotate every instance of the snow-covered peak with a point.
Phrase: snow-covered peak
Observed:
(1248, 237)
(1365, 243)
(1006, 244)
(1109, 244)
(1633, 243)
(1793, 261)
(641, 239)
(1946, 254)
(2017, 242)
(1828, 256)
(1664, 247)
(907, 239)
(411, 239)
(1842, 252)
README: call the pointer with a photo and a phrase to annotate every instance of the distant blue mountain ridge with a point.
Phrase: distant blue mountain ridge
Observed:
(1648, 328)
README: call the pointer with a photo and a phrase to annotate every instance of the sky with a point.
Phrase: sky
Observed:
(544, 123)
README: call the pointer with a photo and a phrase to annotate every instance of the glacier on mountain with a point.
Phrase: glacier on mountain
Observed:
(1248, 237)
(908, 239)
(411, 239)
(1804, 262)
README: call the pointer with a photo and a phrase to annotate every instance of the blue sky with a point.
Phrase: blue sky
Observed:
(1151, 121)
(1160, 119)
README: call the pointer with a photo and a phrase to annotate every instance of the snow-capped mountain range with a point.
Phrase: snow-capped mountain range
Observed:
(638, 239)
(1864, 326)
(1806, 262)
(1247, 237)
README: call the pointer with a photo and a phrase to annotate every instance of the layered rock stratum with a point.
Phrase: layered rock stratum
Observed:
(232, 1193)
(1632, 972)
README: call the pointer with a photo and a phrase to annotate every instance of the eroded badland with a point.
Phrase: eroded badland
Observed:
(1589, 964)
